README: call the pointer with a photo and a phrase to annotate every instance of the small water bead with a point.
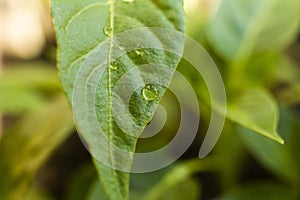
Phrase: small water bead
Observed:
(107, 30)
(113, 65)
(150, 92)
(139, 52)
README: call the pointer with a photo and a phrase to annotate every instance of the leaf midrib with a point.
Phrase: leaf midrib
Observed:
(111, 24)
(109, 91)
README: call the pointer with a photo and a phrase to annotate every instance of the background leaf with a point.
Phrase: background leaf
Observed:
(24, 87)
(81, 182)
(244, 28)
(17, 100)
(36, 75)
(174, 182)
(38, 194)
(264, 190)
(279, 159)
(256, 110)
(26, 147)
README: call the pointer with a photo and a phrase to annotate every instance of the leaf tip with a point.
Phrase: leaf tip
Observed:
(278, 138)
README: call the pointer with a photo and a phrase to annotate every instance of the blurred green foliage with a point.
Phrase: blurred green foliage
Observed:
(250, 41)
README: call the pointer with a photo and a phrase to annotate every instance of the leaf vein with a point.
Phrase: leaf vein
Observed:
(77, 14)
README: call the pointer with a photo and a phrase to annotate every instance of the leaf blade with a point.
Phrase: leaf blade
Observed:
(257, 111)
(243, 28)
(80, 37)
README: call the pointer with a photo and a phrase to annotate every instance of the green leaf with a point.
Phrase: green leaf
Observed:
(282, 160)
(263, 190)
(289, 127)
(288, 74)
(187, 189)
(177, 183)
(31, 76)
(257, 111)
(14, 100)
(88, 42)
(79, 184)
(26, 147)
(287, 70)
(22, 86)
(37, 194)
(243, 28)
(96, 192)
(174, 182)
(231, 153)
(255, 75)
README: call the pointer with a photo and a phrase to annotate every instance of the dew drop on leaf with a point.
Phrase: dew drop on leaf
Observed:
(107, 30)
(113, 66)
(139, 52)
(150, 92)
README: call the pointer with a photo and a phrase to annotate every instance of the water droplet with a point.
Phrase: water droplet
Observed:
(139, 52)
(150, 92)
(114, 65)
(128, 1)
(107, 30)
